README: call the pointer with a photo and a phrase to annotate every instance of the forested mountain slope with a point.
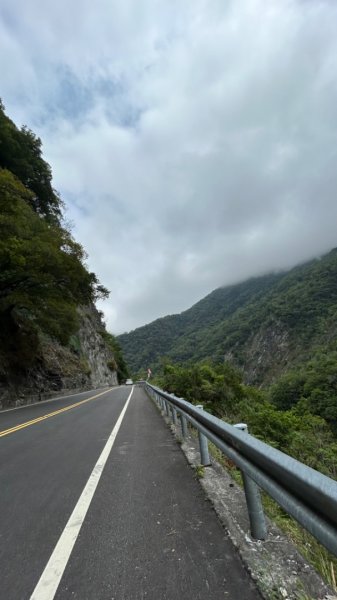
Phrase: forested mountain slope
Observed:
(264, 325)
(43, 282)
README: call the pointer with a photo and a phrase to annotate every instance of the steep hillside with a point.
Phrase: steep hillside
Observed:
(51, 336)
(263, 325)
(174, 335)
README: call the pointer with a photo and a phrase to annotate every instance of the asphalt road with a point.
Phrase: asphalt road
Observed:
(98, 503)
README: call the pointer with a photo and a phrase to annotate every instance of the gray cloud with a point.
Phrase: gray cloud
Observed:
(194, 144)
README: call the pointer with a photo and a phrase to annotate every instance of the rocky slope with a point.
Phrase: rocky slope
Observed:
(86, 362)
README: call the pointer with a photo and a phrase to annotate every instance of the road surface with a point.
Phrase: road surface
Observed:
(98, 503)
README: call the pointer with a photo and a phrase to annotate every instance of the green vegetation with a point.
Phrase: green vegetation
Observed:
(189, 335)
(43, 275)
(294, 430)
(303, 434)
(263, 326)
(119, 362)
(199, 471)
(311, 387)
(21, 153)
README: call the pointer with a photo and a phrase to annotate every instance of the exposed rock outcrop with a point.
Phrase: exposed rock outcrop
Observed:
(265, 355)
(86, 363)
(100, 359)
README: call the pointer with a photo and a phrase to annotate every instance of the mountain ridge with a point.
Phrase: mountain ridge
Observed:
(285, 313)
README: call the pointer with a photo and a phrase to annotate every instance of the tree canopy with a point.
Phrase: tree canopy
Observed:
(299, 431)
(21, 153)
(43, 275)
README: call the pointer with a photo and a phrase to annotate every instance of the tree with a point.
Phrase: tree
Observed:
(21, 153)
(43, 277)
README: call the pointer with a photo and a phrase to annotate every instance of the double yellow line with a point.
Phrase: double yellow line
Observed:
(48, 415)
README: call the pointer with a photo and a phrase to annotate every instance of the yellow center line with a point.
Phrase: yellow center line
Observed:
(52, 414)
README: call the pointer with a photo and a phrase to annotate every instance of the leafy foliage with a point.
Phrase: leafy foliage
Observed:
(113, 344)
(21, 153)
(295, 431)
(303, 435)
(311, 387)
(214, 386)
(43, 276)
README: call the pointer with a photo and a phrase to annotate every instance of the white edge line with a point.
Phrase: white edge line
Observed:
(49, 581)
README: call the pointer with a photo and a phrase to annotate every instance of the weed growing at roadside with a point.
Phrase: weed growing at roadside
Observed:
(199, 471)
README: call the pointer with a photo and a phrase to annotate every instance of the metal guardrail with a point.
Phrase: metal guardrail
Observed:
(304, 493)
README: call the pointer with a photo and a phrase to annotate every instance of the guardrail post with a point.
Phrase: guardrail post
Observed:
(174, 416)
(167, 406)
(257, 520)
(203, 444)
(183, 422)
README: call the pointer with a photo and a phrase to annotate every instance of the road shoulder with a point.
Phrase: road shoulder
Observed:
(276, 565)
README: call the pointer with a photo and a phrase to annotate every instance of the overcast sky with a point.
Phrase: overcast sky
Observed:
(194, 142)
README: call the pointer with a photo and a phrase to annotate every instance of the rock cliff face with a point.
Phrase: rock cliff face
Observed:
(265, 355)
(100, 359)
(87, 363)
